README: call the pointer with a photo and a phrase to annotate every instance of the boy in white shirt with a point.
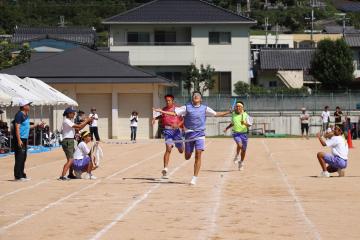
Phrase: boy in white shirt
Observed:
(94, 131)
(337, 160)
(82, 157)
(325, 118)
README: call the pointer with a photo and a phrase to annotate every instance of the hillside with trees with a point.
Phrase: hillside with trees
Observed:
(288, 14)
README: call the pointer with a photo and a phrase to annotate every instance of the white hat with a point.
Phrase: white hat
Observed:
(303, 109)
(24, 102)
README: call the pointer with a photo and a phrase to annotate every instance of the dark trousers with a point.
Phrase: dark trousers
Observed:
(133, 133)
(20, 159)
(94, 131)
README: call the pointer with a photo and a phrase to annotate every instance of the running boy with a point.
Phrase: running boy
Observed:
(240, 123)
(337, 161)
(82, 158)
(171, 132)
(194, 114)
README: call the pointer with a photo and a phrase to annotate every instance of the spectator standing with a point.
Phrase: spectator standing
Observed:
(304, 118)
(325, 118)
(94, 131)
(134, 118)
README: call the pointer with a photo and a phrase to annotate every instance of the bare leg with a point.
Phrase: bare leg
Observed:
(197, 164)
(243, 153)
(188, 155)
(322, 162)
(167, 155)
(66, 167)
(238, 149)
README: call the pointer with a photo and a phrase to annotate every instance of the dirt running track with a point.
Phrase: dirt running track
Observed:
(277, 196)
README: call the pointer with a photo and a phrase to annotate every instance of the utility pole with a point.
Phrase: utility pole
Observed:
(248, 7)
(276, 35)
(238, 7)
(343, 19)
(312, 18)
(266, 31)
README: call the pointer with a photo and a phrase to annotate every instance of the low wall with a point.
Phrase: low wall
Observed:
(280, 122)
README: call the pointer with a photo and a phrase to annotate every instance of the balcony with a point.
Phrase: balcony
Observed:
(157, 53)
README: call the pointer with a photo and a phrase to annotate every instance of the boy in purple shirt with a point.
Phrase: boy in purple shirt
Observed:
(194, 114)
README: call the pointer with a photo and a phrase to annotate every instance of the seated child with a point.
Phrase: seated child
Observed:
(82, 158)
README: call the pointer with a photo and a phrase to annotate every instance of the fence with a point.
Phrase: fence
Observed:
(348, 101)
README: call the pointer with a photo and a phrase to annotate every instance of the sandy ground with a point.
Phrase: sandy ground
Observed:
(277, 196)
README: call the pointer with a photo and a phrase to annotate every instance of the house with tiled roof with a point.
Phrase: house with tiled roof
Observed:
(54, 39)
(284, 68)
(166, 36)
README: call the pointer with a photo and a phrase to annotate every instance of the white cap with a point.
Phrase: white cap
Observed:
(303, 109)
(24, 102)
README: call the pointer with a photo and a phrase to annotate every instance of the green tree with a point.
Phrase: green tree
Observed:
(6, 55)
(332, 64)
(199, 79)
(23, 56)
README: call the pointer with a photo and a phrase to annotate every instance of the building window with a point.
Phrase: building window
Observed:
(222, 83)
(165, 38)
(219, 37)
(138, 38)
(273, 84)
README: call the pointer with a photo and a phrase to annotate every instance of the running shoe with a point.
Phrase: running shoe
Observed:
(236, 159)
(241, 166)
(164, 173)
(341, 172)
(193, 181)
(89, 176)
(325, 174)
(63, 178)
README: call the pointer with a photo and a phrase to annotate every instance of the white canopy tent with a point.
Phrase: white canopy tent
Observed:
(51, 93)
(18, 91)
(13, 88)
(5, 99)
(31, 89)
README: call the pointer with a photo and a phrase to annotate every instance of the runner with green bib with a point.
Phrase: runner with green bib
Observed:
(240, 123)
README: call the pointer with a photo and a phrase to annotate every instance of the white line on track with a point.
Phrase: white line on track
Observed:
(216, 198)
(38, 184)
(315, 233)
(133, 205)
(53, 204)
(23, 189)
(63, 160)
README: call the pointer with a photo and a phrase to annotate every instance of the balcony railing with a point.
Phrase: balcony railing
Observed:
(153, 44)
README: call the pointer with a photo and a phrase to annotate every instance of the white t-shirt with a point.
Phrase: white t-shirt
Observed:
(67, 129)
(304, 117)
(134, 121)
(325, 116)
(181, 111)
(338, 146)
(95, 121)
(81, 151)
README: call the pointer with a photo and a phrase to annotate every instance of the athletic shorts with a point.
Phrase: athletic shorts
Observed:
(304, 127)
(173, 135)
(81, 164)
(241, 138)
(198, 144)
(68, 146)
(335, 161)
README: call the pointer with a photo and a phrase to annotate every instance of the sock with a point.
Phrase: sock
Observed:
(166, 169)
